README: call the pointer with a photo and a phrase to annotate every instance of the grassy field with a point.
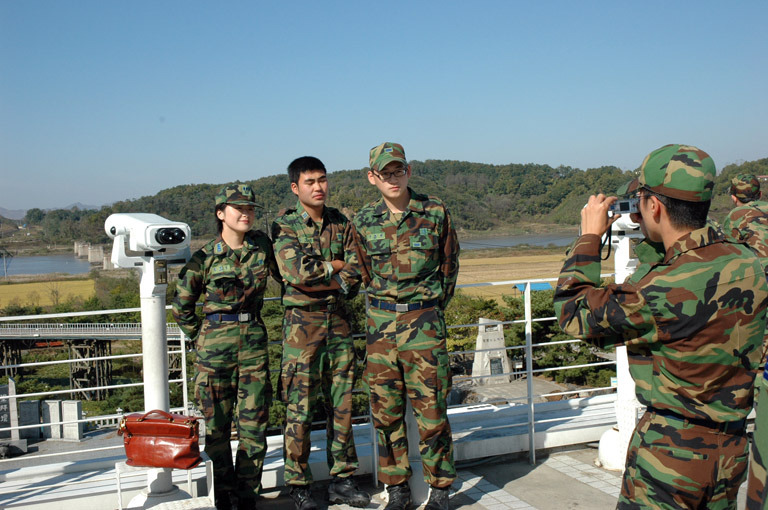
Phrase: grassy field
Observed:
(44, 293)
(507, 268)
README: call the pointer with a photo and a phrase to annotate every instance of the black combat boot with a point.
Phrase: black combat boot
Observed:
(302, 497)
(224, 500)
(399, 497)
(344, 490)
(438, 499)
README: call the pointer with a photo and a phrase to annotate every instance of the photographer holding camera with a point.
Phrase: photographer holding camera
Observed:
(693, 324)
(232, 372)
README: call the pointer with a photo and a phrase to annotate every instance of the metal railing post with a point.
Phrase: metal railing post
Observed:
(374, 443)
(529, 373)
(183, 345)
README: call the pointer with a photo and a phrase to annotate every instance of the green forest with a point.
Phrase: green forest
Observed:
(481, 197)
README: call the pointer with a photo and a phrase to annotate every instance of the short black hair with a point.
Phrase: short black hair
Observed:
(304, 164)
(682, 213)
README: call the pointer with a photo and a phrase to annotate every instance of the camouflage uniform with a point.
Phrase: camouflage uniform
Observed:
(757, 496)
(232, 371)
(317, 342)
(748, 223)
(412, 261)
(693, 325)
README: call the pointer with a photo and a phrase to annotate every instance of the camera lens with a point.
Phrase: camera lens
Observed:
(170, 236)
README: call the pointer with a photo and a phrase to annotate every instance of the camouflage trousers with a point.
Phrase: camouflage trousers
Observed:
(676, 465)
(232, 384)
(757, 496)
(407, 355)
(318, 356)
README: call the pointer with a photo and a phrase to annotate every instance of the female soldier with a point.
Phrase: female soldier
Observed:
(232, 371)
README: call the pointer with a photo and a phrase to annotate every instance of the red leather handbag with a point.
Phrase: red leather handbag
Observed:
(160, 439)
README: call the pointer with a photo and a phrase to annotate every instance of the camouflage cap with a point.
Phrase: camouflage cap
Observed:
(385, 153)
(677, 171)
(628, 189)
(745, 187)
(236, 194)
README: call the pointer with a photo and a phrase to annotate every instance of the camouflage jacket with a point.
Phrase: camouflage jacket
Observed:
(412, 260)
(228, 283)
(693, 323)
(749, 224)
(304, 250)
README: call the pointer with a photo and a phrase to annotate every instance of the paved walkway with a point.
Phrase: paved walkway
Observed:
(565, 480)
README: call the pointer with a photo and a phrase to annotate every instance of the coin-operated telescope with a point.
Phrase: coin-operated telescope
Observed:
(150, 242)
(614, 442)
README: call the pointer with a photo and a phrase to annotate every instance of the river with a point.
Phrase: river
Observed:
(45, 264)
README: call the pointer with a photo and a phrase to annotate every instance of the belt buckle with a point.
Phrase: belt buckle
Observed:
(401, 307)
(243, 317)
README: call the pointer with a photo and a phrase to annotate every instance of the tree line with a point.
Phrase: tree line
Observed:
(481, 197)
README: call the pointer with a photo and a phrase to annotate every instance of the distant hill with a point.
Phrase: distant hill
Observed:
(18, 214)
(11, 214)
(481, 197)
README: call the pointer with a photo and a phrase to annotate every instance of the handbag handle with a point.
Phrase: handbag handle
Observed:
(165, 415)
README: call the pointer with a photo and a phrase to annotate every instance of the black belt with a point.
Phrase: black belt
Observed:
(320, 307)
(403, 307)
(726, 427)
(230, 317)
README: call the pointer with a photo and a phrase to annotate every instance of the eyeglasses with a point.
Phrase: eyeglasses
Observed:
(388, 176)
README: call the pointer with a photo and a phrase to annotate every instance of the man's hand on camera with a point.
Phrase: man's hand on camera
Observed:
(594, 215)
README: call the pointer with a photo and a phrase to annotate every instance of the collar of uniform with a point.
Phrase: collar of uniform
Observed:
(416, 204)
(695, 239)
(304, 215)
(222, 248)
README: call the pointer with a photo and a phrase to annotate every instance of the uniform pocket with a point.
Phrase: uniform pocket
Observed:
(677, 453)
(423, 252)
(380, 251)
(287, 382)
(222, 288)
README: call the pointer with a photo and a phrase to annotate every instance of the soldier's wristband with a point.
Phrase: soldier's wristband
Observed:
(328, 270)
(343, 286)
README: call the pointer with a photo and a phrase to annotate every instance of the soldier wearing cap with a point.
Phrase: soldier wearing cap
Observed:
(693, 324)
(748, 221)
(232, 372)
(408, 255)
(311, 243)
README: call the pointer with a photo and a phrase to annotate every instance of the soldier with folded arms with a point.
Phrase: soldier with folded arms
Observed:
(311, 243)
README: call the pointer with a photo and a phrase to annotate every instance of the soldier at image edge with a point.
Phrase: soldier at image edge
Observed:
(693, 324)
(232, 371)
(408, 256)
(311, 242)
(748, 221)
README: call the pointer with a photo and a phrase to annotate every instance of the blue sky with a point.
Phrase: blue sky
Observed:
(110, 100)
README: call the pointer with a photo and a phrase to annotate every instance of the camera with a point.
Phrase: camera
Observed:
(625, 206)
(139, 236)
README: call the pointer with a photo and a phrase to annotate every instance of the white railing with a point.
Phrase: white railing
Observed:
(175, 337)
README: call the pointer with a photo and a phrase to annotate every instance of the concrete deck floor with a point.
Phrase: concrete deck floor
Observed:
(562, 480)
